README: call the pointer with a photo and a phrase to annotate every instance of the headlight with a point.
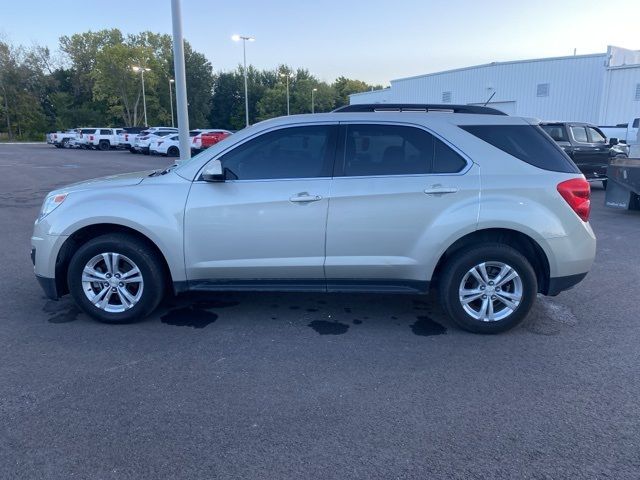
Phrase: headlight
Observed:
(53, 201)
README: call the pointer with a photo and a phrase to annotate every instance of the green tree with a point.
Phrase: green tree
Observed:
(346, 86)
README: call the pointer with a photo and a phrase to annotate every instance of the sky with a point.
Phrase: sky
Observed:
(373, 40)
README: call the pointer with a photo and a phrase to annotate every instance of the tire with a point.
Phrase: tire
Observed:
(147, 293)
(104, 145)
(457, 274)
(173, 152)
(65, 143)
(57, 145)
(132, 150)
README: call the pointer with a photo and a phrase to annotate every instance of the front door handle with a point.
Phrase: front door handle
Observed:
(440, 190)
(304, 197)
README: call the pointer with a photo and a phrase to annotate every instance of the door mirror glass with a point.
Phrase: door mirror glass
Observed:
(213, 172)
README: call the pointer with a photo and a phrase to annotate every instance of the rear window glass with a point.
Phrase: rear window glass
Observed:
(557, 132)
(527, 143)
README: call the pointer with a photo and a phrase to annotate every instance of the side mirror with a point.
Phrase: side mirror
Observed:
(613, 141)
(213, 172)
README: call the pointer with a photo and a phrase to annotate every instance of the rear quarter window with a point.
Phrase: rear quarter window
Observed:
(528, 143)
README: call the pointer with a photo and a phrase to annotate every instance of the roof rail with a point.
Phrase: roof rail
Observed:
(418, 107)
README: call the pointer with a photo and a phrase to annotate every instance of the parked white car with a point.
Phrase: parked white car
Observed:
(143, 139)
(61, 139)
(485, 208)
(168, 146)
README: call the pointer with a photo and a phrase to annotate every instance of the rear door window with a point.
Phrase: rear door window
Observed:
(372, 150)
(445, 160)
(527, 143)
(579, 134)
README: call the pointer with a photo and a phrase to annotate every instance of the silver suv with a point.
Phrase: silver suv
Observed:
(483, 207)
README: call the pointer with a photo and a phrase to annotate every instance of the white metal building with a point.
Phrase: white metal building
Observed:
(601, 88)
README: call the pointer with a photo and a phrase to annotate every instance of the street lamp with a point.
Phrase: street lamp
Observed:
(171, 80)
(313, 100)
(245, 39)
(288, 76)
(137, 68)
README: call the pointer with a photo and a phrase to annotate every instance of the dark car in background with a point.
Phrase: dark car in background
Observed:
(587, 146)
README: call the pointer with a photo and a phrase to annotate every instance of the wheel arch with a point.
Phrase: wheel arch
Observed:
(89, 232)
(522, 242)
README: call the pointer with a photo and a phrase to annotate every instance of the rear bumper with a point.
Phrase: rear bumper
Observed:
(49, 287)
(560, 284)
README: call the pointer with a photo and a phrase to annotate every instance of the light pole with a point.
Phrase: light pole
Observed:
(288, 76)
(171, 80)
(313, 100)
(137, 68)
(245, 39)
(182, 107)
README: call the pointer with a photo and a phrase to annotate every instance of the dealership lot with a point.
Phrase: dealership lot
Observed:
(305, 385)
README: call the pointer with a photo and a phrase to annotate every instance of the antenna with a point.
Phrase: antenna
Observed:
(492, 95)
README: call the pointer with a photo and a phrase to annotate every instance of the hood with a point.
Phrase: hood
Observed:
(121, 180)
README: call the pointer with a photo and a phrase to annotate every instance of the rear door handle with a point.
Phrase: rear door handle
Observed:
(440, 190)
(305, 198)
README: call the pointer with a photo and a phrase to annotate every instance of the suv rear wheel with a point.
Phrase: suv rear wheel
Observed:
(116, 279)
(173, 152)
(488, 289)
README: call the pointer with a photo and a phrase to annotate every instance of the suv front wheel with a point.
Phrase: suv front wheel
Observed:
(488, 289)
(116, 278)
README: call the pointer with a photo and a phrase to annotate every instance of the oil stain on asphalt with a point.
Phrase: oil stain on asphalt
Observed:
(189, 317)
(61, 311)
(426, 327)
(65, 316)
(324, 327)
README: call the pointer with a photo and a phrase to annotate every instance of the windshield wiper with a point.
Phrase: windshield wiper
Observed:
(157, 173)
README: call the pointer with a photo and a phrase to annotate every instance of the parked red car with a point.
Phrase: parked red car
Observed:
(206, 139)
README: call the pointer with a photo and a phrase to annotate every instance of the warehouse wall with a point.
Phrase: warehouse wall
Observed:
(621, 98)
(575, 86)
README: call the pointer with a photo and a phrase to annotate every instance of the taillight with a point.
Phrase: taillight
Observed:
(126, 137)
(55, 136)
(577, 193)
(91, 138)
(160, 143)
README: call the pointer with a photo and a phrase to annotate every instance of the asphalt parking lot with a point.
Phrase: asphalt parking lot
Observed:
(310, 386)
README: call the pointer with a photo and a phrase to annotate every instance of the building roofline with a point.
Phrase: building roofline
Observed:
(369, 91)
(493, 64)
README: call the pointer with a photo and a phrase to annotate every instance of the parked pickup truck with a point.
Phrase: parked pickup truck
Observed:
(103, 138)
(624, 132)
(207, 138)
(587, 146)
(82, 137)
(61, 139)
(126, 138)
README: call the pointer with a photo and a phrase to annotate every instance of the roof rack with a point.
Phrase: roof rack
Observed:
(418, 107)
